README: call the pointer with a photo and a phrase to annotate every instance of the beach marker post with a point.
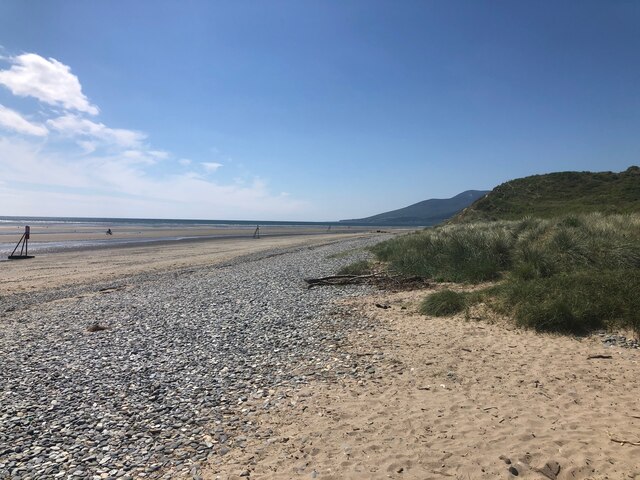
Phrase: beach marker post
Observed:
(24, 249)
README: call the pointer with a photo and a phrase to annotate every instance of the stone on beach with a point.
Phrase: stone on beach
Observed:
(159, 385)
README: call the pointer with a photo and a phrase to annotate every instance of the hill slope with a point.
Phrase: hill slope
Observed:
(558, 194)
(425, 213)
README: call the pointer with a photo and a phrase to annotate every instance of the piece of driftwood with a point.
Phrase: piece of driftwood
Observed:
(591, 357)
(623, 442)
(389, 282)
(338, 280)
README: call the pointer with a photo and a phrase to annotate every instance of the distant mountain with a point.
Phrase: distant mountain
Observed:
(558, 193)
(425, 213)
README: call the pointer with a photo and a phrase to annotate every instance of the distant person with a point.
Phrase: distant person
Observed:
(109, 232)
(256, 234)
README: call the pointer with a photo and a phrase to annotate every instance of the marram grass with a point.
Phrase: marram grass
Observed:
(361, 267)
(443, 303)
(572, 274)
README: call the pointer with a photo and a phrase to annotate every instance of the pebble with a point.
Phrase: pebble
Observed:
(181, 354)
(611, 340)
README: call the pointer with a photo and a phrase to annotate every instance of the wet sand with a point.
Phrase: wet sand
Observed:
(66, 268)
(55, 233)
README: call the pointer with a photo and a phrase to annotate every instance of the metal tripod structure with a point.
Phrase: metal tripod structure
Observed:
(24, 246)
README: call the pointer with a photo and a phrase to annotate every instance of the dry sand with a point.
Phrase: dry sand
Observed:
(455, 398)
(67, 268)
(449, 398)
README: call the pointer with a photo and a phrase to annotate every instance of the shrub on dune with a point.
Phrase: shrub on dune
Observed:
(569, 274)
(443, 303)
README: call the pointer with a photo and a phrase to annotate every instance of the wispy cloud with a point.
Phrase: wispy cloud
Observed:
(159, 154)
(48, 184)
(12, 120)
(82, 167)
(74, 126)
(211, 166)
(48, 80)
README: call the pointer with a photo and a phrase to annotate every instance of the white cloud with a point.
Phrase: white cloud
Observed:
(102, 171)
(50, 81)
(88, 146)
(12, 120)
(211, 166)
(22, 161)
(194, 175)
(53, 184)
(159, 154)
(149, 157)
(75, 126)
(138, 156)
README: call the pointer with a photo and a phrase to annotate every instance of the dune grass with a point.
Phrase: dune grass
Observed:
(444, 303)
(470, 253)
(576, 302)
(571, 274)
(361, 267)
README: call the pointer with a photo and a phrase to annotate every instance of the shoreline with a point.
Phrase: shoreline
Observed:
(51, 270)
(75, 237)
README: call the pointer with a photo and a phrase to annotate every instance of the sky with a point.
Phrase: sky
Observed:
(305, 110)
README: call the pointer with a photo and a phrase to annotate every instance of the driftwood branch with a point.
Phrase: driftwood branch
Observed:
(623, 442)
(339, 280)
(380, 280)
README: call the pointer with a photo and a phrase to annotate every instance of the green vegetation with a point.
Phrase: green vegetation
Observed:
(576, 302)
(358, 268)
(473, 253)
(444, 303)
(557, 194)
(573, 274)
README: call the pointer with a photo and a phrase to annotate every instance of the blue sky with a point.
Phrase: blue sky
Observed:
(301, 110)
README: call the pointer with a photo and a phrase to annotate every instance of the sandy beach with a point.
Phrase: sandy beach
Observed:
(454, 398)
(82, 266)
(212, 360)
(131, 362)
